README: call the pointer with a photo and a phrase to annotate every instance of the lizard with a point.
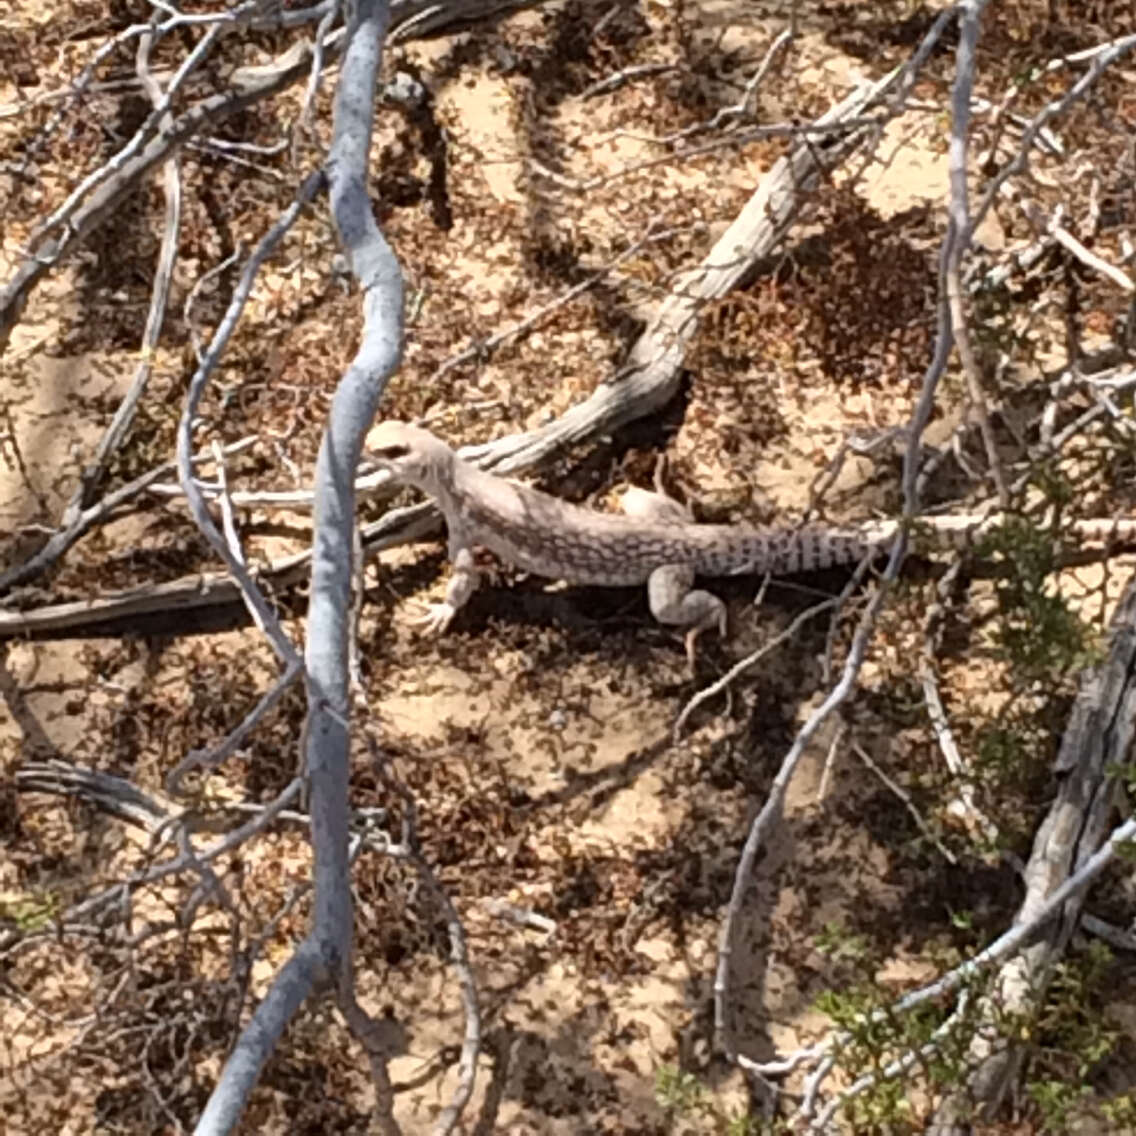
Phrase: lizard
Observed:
(654, 541)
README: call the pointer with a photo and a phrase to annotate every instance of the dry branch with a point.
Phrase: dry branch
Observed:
(770, 813)
(959, 218)
(159, 295)
(246, 90)
(61, 540)
(246, 87)
(955, 245)
(653, 371)
(1070, 852)
(116, 612)
(1097, 741)
(648, 382)
(325, 957)
(159, 816)
(113, 795)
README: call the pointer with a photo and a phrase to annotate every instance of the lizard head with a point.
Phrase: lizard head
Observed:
(410, 455)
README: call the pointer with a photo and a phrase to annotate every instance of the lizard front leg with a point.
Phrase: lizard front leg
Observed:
(463, 583)
(673, 601)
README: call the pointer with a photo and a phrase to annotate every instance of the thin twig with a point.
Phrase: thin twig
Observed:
(745, 664)
(251, 594)
(965, 803)
(1102, 58)
(483, 348)
(191, 299)
(61, 540)
(908, 803)
(149, 128)
(159, 293)
(771, 810)
(249, 590)
(741, 108)
(303, 122)
(626, 75)
(970, 11)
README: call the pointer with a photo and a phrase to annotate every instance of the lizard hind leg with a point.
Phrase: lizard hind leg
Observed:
(674, 601)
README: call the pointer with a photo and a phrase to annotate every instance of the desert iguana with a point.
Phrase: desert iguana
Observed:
(655, 541)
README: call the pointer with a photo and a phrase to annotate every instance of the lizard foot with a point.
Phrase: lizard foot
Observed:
(436, 618)
(691, 637)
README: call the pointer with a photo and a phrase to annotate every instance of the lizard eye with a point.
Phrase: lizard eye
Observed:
(389, 453)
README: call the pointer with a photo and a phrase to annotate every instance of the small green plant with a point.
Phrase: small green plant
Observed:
(679, 1091)
(1125, 773)
(836, 941)
(876, 1038)
(740, 1124)
(1043, 643)
(1012, 752)
(29, 912)
(1071, 1038)
(1057, 1101)
(885, 1108)
(1038, 633)
(962, 920)
(1120, 1112)
(689, 1102)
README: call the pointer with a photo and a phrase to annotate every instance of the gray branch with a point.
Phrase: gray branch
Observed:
(326, 954)
(1097, 741)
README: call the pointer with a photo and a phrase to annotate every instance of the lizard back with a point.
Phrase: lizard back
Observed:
(542, 534)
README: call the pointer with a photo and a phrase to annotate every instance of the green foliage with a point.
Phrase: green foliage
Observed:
(1038, 634)
(1044, 643)
(739, 1125)
(29, 912)
(1120, 1112)
(679, 1091)
(1068, 1038)
(688, 1101)
(884, 1109)
(1057, 1101)
(1071, 1038)
(876, 1038)
(1125, 773)
(963, 920)
(838, 942)
(1013, 752)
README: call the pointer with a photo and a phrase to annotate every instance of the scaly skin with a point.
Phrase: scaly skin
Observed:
(656, 542)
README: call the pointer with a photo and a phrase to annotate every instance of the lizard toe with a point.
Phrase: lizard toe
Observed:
(436, 618)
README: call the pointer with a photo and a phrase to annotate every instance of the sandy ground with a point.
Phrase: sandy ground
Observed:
(537, 735)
